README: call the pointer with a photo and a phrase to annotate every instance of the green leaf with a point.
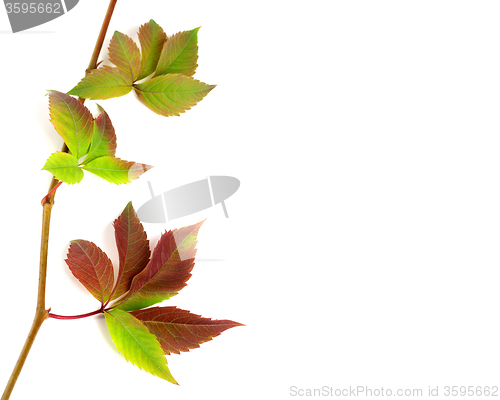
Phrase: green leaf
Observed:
(103, 83)
(64, 167)
(116, 170)
(133, 248)
(172, 94)
(179, 330)
(134, 341)
(124, 53)
(152, 37)
(92, 267)
(103, 139)
(72, 120)
(167, 272)
(179, 54)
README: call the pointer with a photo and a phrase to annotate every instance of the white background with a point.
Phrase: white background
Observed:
(362, 247)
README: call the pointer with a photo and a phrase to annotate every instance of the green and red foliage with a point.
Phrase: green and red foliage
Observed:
(143, 335)
(160, 73)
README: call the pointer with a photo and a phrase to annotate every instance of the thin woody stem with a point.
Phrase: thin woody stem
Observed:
(41, 313)
(51, 191)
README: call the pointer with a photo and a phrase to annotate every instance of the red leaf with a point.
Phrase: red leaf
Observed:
(92, 267)
(133, 248)
(167, 272)
(178, 330)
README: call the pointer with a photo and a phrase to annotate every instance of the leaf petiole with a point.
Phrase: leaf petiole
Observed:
(80, 316)
(52, 191)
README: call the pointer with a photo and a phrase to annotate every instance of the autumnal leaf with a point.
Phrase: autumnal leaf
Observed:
(92, 267)
(124, 53)
(133, 248)
(64, 167)
(103, 139)
(152, 37)
(139, 346)
(172, 94)
(179, 330)
(179, 54)
(103, 83)
(167, 272)
(72, 120)
(116, 170)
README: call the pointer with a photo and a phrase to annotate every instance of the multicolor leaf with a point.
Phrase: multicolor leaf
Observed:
(72, 120)
(167, 272)
(179, 330)
(124, 53)
(64, 167)
(92, 267)
(152, 37)
(179, 54)
(103, 83)
(139, 346)
(116, 170)
(172, 94)
(133, 248)
(103, 139)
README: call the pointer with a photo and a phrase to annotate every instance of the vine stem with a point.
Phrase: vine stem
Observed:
(55, 316)
(51, 191)
(41, 313)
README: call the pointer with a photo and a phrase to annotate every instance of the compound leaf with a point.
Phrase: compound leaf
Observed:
(72, 120)
(179, 54)
(103, 83)
(92, 267)
(64, 167)
(139, 346)
(152, 37)
(124, 53)
(103, 139)
(167, 272)
(133, 248)
(172, 94)
(116, 170)
(179, 330)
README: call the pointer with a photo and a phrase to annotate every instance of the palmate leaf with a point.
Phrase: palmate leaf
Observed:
(133, 248)
(103, 83)
(100, 158)
(167, 272)
(103, 139)
(124, 53)
(92, 267)
(64, 167)
(179, 54)
(172, 94)
(140, 347)
(116, 170)
(152, 37)
(179, 330)
(72, 120)
(144, 337)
